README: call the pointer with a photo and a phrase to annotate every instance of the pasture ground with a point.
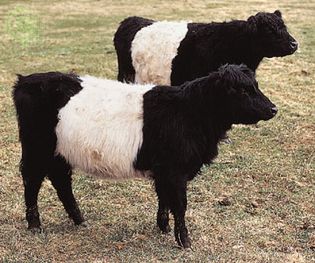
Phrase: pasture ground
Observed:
(267, 174)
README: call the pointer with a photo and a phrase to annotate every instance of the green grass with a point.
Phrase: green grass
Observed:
(267, 174)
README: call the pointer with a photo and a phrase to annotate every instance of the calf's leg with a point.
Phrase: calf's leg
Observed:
(172, 191)
(33, 177)
(178, 205)
(163, 210)
(60, 175)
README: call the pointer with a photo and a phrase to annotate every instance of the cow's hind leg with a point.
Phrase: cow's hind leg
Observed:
(60, 175)
(33, 176)
(126, 71)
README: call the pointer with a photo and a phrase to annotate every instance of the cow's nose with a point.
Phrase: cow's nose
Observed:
(294, 45)
(274, 110)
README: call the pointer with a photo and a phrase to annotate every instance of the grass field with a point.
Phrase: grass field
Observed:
(267, 174)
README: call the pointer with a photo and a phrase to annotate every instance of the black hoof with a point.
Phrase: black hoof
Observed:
(76, 216)
(186, 243)
(78, 222)
(183, 239)
(183, 242)
(35, 229)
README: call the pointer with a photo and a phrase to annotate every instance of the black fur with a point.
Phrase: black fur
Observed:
(122, 40)
(181, 129)
(37, 99)
(183, 126)
(207, 46)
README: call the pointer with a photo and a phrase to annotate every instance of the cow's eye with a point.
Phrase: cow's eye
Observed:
(243, 91)
(269, 31)
(282, 33)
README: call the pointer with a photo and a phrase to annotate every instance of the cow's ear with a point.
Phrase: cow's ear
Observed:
(278, 13)
(228, 78)
(252, 24)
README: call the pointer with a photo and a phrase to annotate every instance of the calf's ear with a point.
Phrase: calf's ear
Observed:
(278, 13)
(252, 24)
(228, 80)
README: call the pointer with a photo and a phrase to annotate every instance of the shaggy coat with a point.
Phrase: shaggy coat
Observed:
(108, 129)
(170, 53)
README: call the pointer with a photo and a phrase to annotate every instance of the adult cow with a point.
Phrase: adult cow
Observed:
(170, 53)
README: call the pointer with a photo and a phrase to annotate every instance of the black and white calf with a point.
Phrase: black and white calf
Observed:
(170, 53)
(106, 128)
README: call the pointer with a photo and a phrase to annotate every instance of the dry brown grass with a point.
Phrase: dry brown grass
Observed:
(267, 174)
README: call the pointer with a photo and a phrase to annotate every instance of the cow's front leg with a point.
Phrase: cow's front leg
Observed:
(171, 187)
(178, 208)
(162, 219)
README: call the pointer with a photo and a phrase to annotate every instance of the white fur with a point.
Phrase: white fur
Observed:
(100, 128)
(153, 50)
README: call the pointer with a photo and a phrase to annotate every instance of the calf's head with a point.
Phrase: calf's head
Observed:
(238, 98)
(270, 35)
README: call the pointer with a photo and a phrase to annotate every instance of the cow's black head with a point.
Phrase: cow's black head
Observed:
(239, 98)
(270, 35)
